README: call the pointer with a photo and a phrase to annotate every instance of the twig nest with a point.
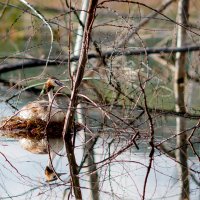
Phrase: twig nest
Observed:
(34, 128)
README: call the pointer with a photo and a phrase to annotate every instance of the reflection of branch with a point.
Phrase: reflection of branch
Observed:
(44, 185)
(12, 165)
(107, 160)
(190, 137)
(194, 179)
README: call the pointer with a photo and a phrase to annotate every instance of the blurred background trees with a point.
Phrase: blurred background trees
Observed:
(136, 77)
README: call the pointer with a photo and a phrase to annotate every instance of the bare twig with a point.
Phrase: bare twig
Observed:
(143, 22)
(4, 8)
(153, 9)
(47, 24)
(151, 142)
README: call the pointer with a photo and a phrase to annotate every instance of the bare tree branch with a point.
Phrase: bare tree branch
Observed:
(33, 62)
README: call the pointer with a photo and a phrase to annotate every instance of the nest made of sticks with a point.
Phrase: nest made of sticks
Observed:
(17, 127)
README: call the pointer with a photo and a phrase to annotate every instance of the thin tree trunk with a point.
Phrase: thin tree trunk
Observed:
(93, 175)
(179, 90)
(73, 100)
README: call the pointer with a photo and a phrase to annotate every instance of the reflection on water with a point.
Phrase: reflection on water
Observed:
(123, 178)
(120, 177)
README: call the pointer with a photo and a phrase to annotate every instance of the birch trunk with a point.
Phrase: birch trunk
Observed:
(179, 90)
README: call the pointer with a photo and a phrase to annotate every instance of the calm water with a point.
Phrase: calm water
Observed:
(126, 173)
(22, 173)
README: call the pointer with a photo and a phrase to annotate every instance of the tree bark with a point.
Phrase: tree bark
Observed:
(179, 90)
(73, 100)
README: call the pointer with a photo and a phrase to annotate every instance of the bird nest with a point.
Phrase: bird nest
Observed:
(35, 128)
